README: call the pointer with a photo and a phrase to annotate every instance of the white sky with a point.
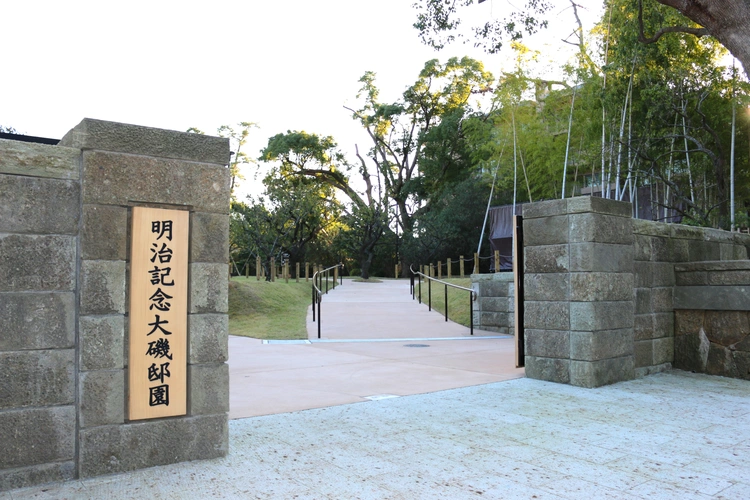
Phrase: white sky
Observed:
(285, 64)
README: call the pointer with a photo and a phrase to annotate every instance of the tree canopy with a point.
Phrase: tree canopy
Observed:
(658, 123)
(728, 21)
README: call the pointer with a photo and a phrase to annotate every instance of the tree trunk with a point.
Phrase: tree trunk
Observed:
(405, 268)
(267, 269)
(726, 20)
(721, 192)
(365, 261)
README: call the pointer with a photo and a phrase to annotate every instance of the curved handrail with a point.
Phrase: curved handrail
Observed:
(317, 293)
(430, 279)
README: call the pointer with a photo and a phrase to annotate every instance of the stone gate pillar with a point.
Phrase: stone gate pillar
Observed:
(122, 167)
(65, 263)
(579, 308)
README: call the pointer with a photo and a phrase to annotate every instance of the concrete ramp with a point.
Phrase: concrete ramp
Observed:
(382, 311)
(376, 343)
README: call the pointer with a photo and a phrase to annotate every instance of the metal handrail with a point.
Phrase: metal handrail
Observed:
(317, 292)
(430, 279)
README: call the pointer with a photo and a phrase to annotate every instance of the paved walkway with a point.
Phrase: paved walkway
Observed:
(375, 342)
(669, 436)
(674, 435)
(379, 311)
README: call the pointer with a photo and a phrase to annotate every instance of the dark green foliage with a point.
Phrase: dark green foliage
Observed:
(284, 224)
(452, 225)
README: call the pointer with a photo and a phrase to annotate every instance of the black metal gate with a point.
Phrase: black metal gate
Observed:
(518, 288)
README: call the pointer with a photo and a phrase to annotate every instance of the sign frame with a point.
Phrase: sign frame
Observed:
(157, 361)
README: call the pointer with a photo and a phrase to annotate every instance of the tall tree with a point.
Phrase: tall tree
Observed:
(401, 130)
(726, 20)
(678, 111)
(283, 222)
(314, 157)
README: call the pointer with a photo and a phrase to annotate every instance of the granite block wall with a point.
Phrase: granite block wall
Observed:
(64, 264)
(578, 303)
(658, 249)
(494, 307)
(600, 290)
(712, 318)
(39, 226)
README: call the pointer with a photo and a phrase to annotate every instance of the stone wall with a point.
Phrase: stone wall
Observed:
(658, 248)
(494, 307)
(64, 253)
(600, 286)
(39, 226)
(578, 304)
(712, 318)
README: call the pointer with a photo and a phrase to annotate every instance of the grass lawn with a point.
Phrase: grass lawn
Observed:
(265, 310)
(458, 300)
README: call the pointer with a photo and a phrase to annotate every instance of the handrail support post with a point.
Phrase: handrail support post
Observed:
(446, 303)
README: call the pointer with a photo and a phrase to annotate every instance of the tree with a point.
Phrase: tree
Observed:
(726, 20)
(438, 23)
(417, 142)
(289, 217)
(363, 228)
(678, 114)
(237, 139)
(662, 110)
(254, 232)
(304, 209)
(453, 224)
(314, 157)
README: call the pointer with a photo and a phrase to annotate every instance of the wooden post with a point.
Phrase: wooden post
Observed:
(273, 269)
(432, 271)
(247, 270)
(296, 272)
(448, 266)
(461, 265)
(395, 272)
(440, 270)
(307, 272)
(335, 276)
(286, 271)
(476, 263)
(258, 269)
(497, 261)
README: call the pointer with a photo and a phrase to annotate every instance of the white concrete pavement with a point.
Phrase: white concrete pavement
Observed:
(674, 435)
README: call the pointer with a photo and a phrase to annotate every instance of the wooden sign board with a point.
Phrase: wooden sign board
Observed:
(158, 313)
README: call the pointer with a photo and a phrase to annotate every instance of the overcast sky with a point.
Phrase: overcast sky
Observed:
(287, 65)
